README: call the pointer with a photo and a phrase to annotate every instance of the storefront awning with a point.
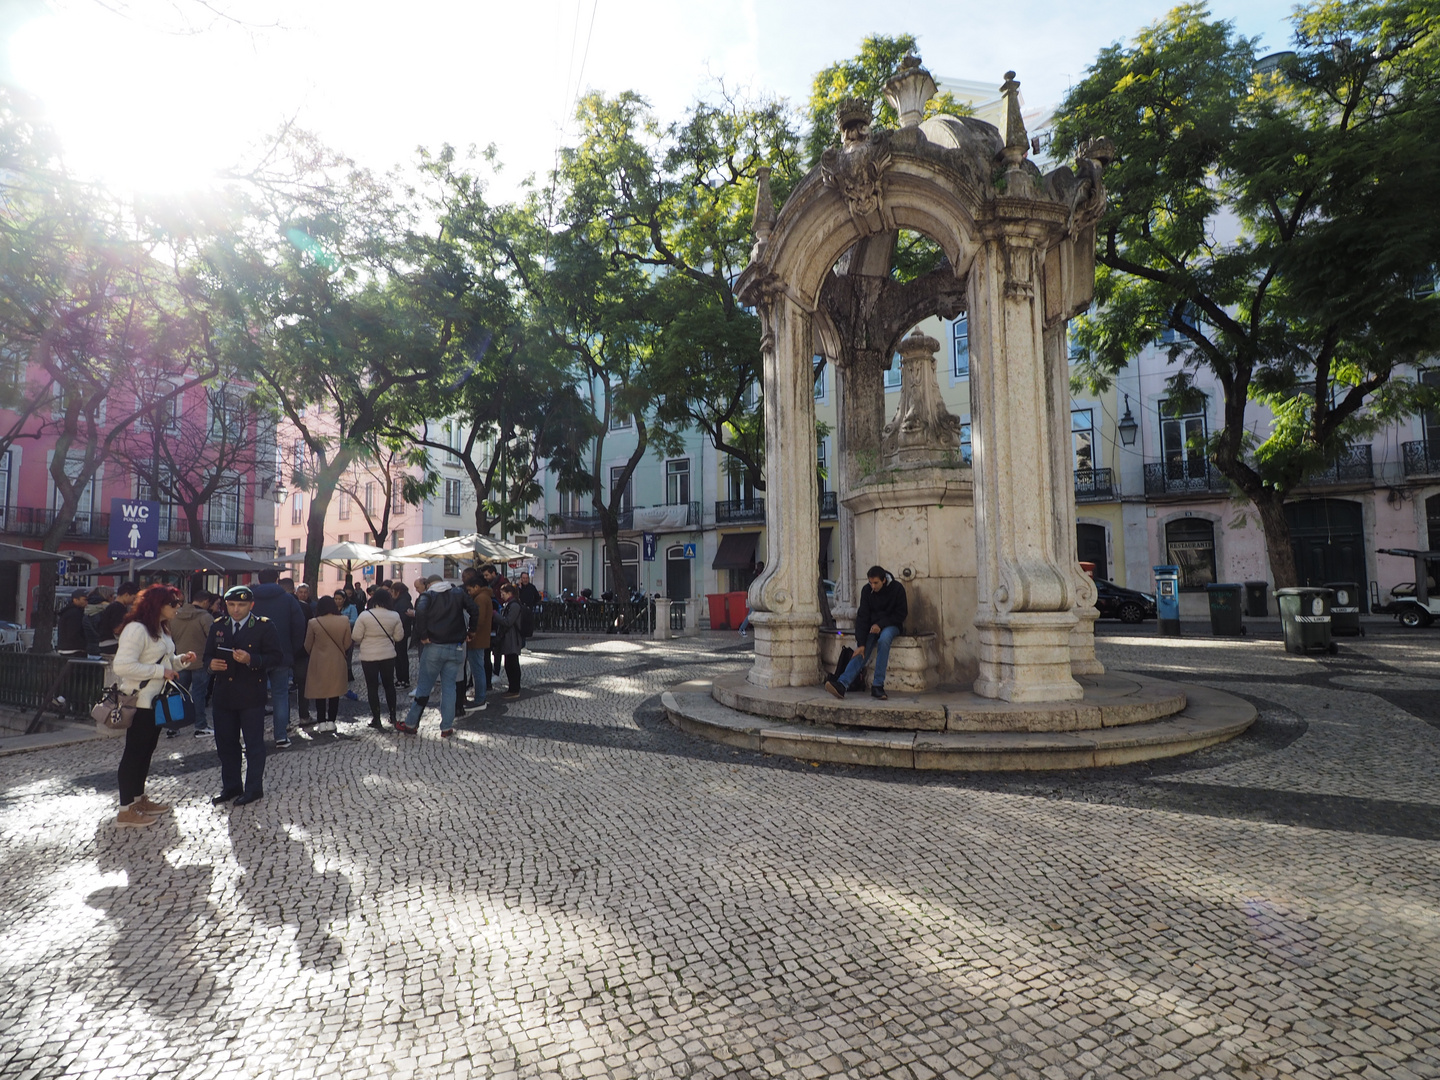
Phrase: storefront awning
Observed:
(737, 551)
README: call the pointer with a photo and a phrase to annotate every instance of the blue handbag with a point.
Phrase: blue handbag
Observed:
(174, 707)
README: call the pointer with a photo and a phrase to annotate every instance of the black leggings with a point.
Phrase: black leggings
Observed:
(141, 738)
(378, 673)
(512, 671)
(330, 705)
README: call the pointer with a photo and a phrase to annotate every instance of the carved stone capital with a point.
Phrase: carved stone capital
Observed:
(923, 429)
(856, 170)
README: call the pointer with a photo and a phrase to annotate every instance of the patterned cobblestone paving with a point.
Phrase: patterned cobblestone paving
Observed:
(570, 888)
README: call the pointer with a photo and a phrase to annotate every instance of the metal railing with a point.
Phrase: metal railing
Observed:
(677, 615)
(729, 510)
(1352, 465)
(34, 680)
(32, 521)
(1180, 478)
(1095, 485)
(595, 617)
(829, 504)
(1421, 458)
(587, 523)
(220, 533)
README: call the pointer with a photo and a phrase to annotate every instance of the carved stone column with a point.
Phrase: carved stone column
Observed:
(1026, 593)
(785, 600)
(1082, 639)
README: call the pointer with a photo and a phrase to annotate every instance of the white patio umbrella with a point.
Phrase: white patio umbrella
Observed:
(454, 547)
(348, 555)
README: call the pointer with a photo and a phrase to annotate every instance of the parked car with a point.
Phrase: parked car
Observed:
(1127, 605)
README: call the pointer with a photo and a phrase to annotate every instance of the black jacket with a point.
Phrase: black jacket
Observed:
(71, 631)
(108, 627)
(445, 615)
(282, 609)
(243, 686)
(888, 607)
(528, 594)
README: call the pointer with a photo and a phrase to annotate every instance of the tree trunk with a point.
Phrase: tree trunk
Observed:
(326, 481)
(45, 605)
(1271, 507)
(192, 522)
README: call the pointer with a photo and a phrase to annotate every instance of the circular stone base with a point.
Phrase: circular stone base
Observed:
(1204, 717)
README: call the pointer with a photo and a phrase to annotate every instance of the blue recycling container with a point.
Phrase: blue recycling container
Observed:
(1167, 600)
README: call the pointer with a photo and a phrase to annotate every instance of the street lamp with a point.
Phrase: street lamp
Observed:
(1127, 427)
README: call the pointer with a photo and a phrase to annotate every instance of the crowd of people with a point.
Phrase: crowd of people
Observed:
(237, 656)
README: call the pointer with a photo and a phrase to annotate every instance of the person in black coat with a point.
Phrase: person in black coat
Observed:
(879, 620)
(70, 630)
(240, 653)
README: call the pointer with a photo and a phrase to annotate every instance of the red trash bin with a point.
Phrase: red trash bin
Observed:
(717, 611)
(738, 605)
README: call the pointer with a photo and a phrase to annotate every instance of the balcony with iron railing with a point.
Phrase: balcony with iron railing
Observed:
(1421, 458)
(829, 504)
(1095, 485)
(734, 511)
(587, 523)
(1179, 477)
(32, 521)
(1353, 465)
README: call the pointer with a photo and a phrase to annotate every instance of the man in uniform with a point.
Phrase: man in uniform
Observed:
(240, 653)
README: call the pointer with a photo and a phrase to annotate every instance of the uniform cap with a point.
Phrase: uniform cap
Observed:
(240, 592)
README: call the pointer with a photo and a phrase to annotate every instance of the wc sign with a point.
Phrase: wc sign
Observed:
(134, 529)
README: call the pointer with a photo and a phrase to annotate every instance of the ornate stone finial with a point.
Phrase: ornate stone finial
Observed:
(923, 429)
(1017, 142)
(854, 116)
(764, 220)
(909, 90)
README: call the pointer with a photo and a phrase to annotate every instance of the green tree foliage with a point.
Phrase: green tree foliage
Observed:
(1274, 221)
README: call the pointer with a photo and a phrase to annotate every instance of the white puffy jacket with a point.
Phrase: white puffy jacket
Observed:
(141, 659)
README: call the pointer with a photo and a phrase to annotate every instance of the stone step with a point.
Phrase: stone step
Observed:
(1210, 716)
(1114, 699)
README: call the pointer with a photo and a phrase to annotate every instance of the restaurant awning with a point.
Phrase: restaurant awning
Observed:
(737, 551)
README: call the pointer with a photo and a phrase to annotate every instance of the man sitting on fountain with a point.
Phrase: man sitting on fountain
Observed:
(878, 622)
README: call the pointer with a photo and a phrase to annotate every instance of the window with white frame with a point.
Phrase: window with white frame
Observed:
(822, 374)
(960, 347)
(569, 573)
(452, 497)
(1430, 418)
(1182, 444)
(297, 508)
(629, 565)
(677, 481)
(627, 493)
(6, 466)
(343, 510)
(74, 465)
(223, 513)
(162, 408)
(619, 421)
(227, 416)
(452, 442)
(965, 449)
(370, 497)
(297, 461)
(822, 463)
(144, 492)
(1082, 439)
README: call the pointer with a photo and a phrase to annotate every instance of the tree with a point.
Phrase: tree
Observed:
(1274, 221)
(316, 289)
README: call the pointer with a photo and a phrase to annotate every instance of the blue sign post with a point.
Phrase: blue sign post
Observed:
(689, 551)
(649, 540)
(134, 529)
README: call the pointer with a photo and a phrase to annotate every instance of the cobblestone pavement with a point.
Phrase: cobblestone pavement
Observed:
(571, 888)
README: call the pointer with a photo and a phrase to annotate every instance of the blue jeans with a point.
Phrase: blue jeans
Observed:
(878, 646)
(438, 662)
(476, 658)
(280, 700)
(198, 683)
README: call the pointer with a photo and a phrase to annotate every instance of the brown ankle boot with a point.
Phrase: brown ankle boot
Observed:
(129, 817)
(146, 805)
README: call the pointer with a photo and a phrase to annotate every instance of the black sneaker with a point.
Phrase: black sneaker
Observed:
(834, 686)
(878, 693)
(282, 744)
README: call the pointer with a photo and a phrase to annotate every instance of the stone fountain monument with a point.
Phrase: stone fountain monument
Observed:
(999, 646)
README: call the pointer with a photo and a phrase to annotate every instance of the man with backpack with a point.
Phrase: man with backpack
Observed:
(444, 617)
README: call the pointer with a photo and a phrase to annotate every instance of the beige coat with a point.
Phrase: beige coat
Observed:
(326, 639)
(375, 633)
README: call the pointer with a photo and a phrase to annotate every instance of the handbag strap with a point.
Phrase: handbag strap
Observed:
(331, 636)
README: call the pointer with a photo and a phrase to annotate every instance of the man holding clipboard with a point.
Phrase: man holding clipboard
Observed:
(241, 650)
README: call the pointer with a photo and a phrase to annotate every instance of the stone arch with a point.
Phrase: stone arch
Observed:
(1022, 244)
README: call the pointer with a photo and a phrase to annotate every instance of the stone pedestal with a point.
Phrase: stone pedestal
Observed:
(661, 630)
(913, 667)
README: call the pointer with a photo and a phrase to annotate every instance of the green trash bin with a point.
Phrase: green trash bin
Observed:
(1305, 617)
(1225, 610)
(1257, 603)
(1345, 613)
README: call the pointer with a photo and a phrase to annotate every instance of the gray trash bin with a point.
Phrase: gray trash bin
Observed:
(1305, 618)
(1345, 613)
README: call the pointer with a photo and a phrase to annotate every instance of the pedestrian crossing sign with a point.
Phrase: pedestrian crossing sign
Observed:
(689, 551)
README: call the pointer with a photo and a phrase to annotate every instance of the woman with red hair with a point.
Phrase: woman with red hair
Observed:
(144, 659)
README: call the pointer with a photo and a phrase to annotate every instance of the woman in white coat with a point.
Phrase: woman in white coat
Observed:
(144, 659)
(376, 631)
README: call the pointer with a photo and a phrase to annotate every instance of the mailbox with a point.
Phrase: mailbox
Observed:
(1167, 600)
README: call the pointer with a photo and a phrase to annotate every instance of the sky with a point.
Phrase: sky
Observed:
(160, 95)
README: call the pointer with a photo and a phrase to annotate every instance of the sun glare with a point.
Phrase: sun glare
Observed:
(138, 108)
